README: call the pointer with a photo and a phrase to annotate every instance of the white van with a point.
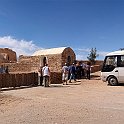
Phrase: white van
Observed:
(113, 68)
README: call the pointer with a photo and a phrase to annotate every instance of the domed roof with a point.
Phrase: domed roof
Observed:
(58, 50)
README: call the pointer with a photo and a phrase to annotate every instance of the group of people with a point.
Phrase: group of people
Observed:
(75, 71)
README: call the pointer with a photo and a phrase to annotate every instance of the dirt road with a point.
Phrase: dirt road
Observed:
(85, 102)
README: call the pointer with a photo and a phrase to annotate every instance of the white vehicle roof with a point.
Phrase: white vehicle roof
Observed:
(119, 52)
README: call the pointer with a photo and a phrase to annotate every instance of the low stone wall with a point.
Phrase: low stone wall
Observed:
(95, 68)
(17, 80)
(26, 79)
(97, 62)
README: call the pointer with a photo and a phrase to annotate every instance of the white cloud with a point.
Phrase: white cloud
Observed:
(102, 53)
(21, 47)
(81, 57)
(84, 49)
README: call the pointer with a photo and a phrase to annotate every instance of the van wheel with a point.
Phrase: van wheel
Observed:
(112, 81)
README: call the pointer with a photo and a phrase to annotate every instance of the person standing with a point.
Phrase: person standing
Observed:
(72, 71)
(40, 76)
(78, 71)
(65, 71)
(2, 70)
(83, 70)
(88, 69)
(46, 75)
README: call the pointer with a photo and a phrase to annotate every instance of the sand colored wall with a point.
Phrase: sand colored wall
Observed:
(7, 55)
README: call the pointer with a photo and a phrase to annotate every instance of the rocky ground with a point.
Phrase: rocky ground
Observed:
(83, 102)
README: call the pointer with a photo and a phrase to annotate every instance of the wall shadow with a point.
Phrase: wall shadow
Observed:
(17, 88)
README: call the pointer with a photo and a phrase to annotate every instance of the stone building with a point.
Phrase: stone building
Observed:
(7, 55)
(55, 57)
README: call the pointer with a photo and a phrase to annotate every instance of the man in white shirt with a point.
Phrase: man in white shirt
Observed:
(65, 72)
(46, 75)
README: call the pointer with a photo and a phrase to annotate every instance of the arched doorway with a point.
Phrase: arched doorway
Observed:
(45, 61)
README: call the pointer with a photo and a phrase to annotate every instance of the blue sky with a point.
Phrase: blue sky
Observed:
(28, 25)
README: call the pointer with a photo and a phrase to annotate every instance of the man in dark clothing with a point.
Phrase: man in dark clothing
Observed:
(88, 69)
(40, 76)
(72, 71)
(78, 71)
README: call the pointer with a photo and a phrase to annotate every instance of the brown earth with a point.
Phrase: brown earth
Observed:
(84, 102)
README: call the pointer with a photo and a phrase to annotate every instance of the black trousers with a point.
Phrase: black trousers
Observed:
(88, 75)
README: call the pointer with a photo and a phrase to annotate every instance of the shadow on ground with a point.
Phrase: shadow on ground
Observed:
(58, 86)
(16, 88)
(95, 77)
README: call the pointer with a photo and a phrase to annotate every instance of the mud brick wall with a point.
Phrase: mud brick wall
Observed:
(97, 62)
(56, 78)
(95, 68)
(11, 55)
(28, 64)
(24, 65)
(68, 52)
(33, 62)
(17, 80)
(19, 68)
(55, 62)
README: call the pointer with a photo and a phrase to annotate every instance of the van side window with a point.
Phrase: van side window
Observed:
(121, 61)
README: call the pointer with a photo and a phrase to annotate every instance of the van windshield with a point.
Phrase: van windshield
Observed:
(111, 60)
(110, 63)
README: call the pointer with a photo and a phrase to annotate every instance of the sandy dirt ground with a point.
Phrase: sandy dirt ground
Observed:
(83, 102)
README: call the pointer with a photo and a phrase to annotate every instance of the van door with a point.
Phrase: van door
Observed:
(121, 69)
(115, 72)
(121, 75)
